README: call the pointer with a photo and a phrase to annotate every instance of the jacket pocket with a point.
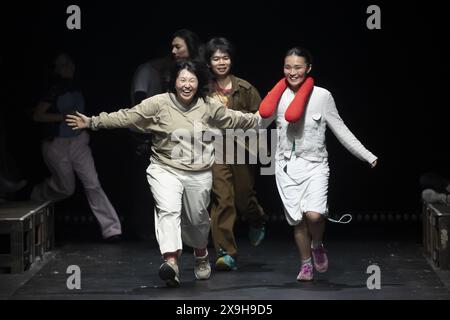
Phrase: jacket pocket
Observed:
(314, 139)
(316, 117)
(313, 125)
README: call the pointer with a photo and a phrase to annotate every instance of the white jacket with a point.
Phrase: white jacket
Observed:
(309, 132)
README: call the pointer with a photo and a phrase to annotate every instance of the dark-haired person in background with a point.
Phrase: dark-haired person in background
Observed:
(179, 174)
(233, 184)
(151, 78)
(67, 152)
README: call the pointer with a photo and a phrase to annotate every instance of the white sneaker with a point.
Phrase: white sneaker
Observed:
(432, 196)
(202, 269)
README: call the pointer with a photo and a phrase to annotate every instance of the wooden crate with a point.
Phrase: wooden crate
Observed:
(39, 232)
(436, 223)
(426, 229)
(43, 228)
(49, 228)
(22, 231)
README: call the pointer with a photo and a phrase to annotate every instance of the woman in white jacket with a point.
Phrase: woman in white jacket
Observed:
(301, 169)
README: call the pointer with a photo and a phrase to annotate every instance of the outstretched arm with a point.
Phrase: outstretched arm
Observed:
(140, 117)
(345, 136)
(224, 118)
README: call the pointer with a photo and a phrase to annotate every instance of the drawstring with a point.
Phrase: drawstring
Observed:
(349, 216)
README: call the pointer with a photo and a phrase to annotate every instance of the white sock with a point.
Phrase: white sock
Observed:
(316, 244)
(307, 261)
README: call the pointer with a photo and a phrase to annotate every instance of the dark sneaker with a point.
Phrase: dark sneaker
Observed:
(113, 239)
(225, 262)
(256, 235)
(169, 273)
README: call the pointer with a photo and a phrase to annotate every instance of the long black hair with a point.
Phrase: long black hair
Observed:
(194, 67)
(194, 45)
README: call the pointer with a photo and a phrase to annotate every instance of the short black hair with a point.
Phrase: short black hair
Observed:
(300, 52)
(221, 44)
(194, 67)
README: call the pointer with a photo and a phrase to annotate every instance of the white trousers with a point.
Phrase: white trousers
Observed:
(181, 206)
(303, 187)
(64, 157)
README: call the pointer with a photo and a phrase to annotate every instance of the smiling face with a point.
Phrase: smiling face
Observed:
(179, 49)
(220, 64)
(186, 86)
(296, 70)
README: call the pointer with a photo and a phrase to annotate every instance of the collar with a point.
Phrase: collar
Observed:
(182, 108)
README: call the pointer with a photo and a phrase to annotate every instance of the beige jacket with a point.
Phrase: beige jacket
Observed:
(181, 138)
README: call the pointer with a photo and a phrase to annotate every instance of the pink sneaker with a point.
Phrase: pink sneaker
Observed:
(306, 273)
(320, 259)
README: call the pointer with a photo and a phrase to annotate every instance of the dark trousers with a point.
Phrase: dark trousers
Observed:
(233, 192)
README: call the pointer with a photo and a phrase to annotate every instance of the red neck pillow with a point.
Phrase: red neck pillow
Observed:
(297, 107)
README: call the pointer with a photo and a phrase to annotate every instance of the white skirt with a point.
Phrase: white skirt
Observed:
(303, 187)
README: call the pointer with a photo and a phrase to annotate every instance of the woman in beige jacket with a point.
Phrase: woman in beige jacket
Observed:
(180, 168)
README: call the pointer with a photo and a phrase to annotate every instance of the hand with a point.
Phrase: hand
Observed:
(78, 121)
(374, 164)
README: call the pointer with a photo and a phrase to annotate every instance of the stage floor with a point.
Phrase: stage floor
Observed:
(129, 270)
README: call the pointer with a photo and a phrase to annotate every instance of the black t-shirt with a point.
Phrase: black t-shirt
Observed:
(64, 97)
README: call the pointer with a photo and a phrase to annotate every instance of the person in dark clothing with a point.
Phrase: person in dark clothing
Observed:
(67, 152)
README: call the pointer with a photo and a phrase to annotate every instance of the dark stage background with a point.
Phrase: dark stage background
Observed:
(390, 85)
